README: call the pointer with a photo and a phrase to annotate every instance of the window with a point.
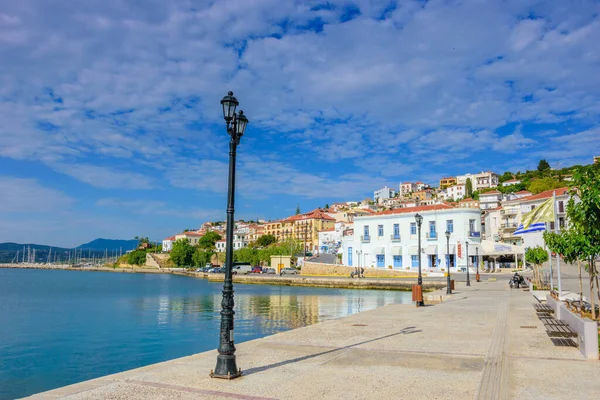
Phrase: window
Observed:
(414, 261)
(413, 228)
(432, 228)
(397, 261)
(350, 256)
(561, 207)
(396, 231)
(472, 225)
(380, 260)
(450, 225)
(551, 226)
(366, 231)
(380, 230)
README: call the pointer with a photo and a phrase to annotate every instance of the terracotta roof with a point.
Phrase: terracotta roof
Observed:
(467, 200)
(545, 195)
(190, 234)
(434, 207)
(327, 230)
(523, 192)
(170, 238)
(512, 180)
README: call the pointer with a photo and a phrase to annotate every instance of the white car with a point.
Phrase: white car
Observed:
(290, 271)
(241, 269)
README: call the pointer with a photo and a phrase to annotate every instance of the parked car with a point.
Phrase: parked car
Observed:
(288, 271)
(256, 270)
(241, 269)
(269, 271)
(216, 270)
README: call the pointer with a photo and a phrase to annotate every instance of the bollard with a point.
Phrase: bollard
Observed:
(477, 278)
(452, 284)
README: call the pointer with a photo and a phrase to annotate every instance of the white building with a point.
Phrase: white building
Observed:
(482, 180)
(511, 182)
(407, 188)
(240, 240)
(331, 239)
(490, 200)
(455, 192)
(167, 244)
(384, 193)
(420, 186)
(389, 239)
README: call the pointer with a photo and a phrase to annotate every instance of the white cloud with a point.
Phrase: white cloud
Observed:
(29, 196)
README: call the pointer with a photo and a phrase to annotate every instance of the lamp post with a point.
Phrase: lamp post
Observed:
(419, 221)
(448, 288)
(467, 249)
(477, 263)
(226, 366)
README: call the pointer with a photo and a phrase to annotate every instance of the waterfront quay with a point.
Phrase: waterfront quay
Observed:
(484, 342)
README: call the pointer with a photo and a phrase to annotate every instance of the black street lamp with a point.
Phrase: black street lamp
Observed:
(467, 249)
(448, 288)
(419, 220)
(477, 263)
(226, 366)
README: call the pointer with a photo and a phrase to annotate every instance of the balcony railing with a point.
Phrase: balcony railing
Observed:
(510, 225)
(395, 238)
(431, 235)
(365, 239)
(509, 211)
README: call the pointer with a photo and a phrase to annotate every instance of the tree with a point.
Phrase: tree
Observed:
(201, 257)
(469, 188)
(543, 166)
(584, 216)
(543, 184)
(248, 255)
(327, 204)
(182, 252)
(507, 176)
(298, 210)
(136, 257)
(536, 256)
(207, 242)
(265, 240)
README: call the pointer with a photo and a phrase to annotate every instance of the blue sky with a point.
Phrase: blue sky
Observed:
(110, 122)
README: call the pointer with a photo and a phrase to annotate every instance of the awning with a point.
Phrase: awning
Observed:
(491, 248)
(397, 251)
(452, 249)
(379, 250)
(413, 250)
(431, 249)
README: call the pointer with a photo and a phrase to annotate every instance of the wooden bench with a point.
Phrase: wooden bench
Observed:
(543, 308)
(556, 328)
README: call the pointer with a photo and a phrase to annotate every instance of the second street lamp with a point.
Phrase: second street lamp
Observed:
(419, 221)
(226, 365)
(448, 288)
(467, 248)
(477, 263)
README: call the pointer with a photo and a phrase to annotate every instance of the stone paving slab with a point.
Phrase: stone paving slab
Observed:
(483, 342)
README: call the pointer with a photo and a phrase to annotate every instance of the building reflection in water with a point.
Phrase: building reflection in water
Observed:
(263, 312)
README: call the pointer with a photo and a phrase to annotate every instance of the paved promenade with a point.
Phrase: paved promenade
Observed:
(485, 342)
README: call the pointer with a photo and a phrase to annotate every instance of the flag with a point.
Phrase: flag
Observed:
(543, 213)
(535, 220)
(539, 226)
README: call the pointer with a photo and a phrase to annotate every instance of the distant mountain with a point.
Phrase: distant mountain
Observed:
(109, 244)
(14, 252)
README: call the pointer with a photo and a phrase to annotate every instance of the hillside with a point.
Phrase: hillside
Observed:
(109, 244)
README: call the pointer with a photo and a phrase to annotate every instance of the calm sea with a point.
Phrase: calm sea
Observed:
(63, 327)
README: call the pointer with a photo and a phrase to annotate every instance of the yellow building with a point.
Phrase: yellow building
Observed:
(445, 182)
(306, 227)
(273, 228)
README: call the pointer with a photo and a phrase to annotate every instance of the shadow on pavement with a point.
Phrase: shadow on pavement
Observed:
(406, 331)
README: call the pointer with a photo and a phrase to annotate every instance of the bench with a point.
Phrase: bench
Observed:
(543, 308)
(556, 328)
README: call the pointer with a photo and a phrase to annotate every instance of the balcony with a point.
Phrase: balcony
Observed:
(365, 239)
(474, 234)
(509, 211)
(395, 238)
(509, 225)
(431, 235)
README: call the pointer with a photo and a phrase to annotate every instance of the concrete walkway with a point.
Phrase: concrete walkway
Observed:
(485, 342)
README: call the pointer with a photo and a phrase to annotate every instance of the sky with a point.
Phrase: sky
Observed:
(111, 126)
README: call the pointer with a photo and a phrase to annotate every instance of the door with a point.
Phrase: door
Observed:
(350, 256)
(397, 261)
(380, 260)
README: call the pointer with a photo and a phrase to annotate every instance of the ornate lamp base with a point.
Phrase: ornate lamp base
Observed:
(226, 368)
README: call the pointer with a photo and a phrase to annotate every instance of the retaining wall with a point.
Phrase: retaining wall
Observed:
(316, 269)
